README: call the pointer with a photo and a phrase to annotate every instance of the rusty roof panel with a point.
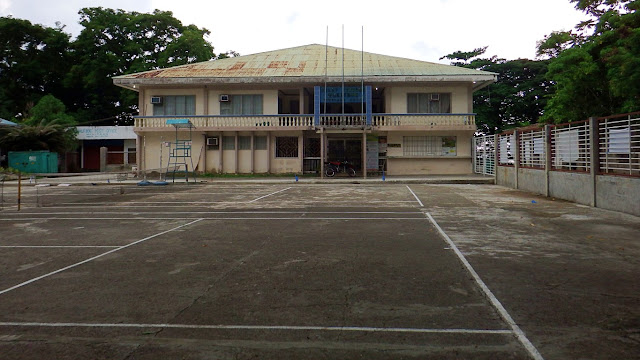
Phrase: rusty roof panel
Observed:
(310, 61)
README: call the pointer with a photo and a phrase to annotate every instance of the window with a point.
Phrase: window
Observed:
(429, 103)
(176, 105)
(260, 143)
(429, 146)
(287, 147)
(244, 142)
(242, 105)
(228, 143)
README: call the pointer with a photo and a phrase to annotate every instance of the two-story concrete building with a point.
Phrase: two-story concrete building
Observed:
(290, 110)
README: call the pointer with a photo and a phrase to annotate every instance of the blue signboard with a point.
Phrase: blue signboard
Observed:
(352, 94)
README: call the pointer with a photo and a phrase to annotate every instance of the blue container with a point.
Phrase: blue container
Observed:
(41, 161)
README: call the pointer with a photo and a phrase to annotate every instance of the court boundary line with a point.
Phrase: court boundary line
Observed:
(516, 330)
(415, 196)
(94, 257)
(214, 212)
(213, 218)
(57, 246)
(264, 327)
(262, 197)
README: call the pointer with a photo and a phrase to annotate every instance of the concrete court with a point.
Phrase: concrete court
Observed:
(316, 271)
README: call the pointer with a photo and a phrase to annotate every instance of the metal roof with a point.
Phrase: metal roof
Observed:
(308, 62)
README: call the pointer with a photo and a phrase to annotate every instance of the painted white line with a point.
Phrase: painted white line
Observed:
(263, 327)
(57, 246)
(215, 218)
(262, 197)
(415, 196)
(212, 212)
(494, 301)
(95, 257)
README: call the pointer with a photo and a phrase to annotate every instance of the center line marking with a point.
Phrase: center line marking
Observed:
(415, 196)
(95, 257)
(520, 335)
(263, 327)
(262, 197)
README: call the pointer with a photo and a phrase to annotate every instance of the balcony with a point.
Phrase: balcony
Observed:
(380, 122)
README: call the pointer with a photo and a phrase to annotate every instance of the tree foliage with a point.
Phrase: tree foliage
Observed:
(45, 135)
(33, 61)
(596, 72)
(518, 97)
(117, 42)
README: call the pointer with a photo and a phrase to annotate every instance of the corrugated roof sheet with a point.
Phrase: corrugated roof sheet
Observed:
(306, 61)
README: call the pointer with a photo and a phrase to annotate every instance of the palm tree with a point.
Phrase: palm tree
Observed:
(46, 135)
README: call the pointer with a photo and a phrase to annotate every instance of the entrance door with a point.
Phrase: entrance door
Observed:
(345, 149)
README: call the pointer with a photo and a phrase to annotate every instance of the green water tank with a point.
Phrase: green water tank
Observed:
(41, 161)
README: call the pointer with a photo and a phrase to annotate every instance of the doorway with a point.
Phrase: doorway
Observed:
(345, 149)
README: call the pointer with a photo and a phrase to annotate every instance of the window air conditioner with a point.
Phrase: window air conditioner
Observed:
(212, 141)
(224, 98)
(156, 99)
(435, 97)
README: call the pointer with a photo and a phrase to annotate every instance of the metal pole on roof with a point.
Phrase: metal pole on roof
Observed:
(326, 64)
(343, 69)
(362, 75)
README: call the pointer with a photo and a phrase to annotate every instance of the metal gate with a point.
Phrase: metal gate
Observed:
(484, 155)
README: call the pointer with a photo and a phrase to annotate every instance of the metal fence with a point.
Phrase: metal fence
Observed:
(484, 155)
(569, 146)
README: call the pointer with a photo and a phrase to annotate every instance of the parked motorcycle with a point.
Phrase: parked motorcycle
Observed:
(331, 168)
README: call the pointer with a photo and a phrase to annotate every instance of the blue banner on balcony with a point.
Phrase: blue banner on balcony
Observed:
(352, 94)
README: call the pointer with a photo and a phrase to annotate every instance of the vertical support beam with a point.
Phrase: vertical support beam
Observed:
(322, 152)
(301, 152)
(236, 151)
(316, 105)
(103, 159)
(516, 158)
(204, 153)
(547, 158)
(594, 135)
(269, 152)
(221, 154)
(301, 102)
(138, 154)
(253, 152)
(205, 104)
(364, 154)
(369, 105)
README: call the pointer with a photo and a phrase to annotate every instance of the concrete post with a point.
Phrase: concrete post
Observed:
(269, 153)
(594, 142)
(253, 152)
(103, 159)
(364, 154)
(221, 153)
(322, 146)
(235, 170)
(515, 147)
(547, 158)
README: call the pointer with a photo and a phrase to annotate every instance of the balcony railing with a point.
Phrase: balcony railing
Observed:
(339, 121)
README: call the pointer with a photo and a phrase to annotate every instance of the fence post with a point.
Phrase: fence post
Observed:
(547, 158)
(595, 156)
(103, 159)
(516, 157)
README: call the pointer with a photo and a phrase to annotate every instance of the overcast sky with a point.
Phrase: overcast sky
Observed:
(417, 29)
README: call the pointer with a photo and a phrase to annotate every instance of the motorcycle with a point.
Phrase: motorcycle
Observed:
(333, 167)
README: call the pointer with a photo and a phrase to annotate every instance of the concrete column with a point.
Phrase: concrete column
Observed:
(301, 110)
(269, 153)
(237, 152)
(547, 158)
(253, 152)
(364, 154)
(322, 154)
(301, 152)
(594, 140)
(204, 154)
(138, 154)
(221, 153)
(515, 147)
(205, 105)
(103, 159)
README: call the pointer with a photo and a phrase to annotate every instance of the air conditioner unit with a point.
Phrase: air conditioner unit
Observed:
(212, 141)
(435, 97)
(156, 99)
(224, 98)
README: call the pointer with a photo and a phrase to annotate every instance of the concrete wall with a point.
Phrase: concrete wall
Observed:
(533, 180)
(571, 186)
(429, 166)
(618, 193)
(506, 176)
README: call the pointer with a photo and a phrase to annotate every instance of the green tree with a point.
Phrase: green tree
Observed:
(46, 135)
(33, 61)
(596, 71)
(117, 42)
(517, 98)
(49, 109)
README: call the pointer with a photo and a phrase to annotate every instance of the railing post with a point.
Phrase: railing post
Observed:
(594, 133)
(547, 158)
(516, 157)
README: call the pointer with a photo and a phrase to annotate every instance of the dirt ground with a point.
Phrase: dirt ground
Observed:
(315, 271)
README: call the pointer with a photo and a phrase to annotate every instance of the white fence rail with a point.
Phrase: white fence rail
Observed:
(570, 147)
(619, 145)
(484, 155)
